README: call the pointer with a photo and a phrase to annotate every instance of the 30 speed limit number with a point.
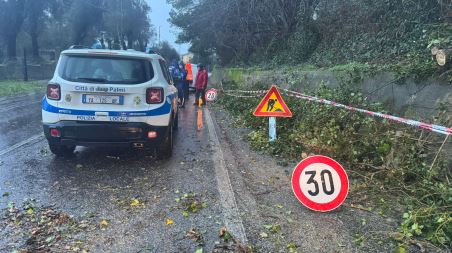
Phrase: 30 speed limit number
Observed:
(320, 183)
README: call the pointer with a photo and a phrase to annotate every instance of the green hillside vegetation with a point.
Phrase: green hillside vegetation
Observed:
(387, 35)
(395, 170)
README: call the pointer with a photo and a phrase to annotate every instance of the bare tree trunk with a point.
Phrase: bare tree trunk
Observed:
(123, 43)
(11, 47)
(141, 44)
(129, 41)
(17, 12)
(79, 37)
(35, 46)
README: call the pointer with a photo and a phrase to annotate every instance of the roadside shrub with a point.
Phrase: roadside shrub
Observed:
(386, 157)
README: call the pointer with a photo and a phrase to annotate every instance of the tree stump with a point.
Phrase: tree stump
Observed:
(434, 50)
(444, 57)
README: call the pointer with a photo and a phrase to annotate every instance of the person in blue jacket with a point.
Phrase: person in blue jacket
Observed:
(179, 74)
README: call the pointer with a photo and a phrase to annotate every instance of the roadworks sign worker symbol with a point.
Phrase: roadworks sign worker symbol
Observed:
(273, 105)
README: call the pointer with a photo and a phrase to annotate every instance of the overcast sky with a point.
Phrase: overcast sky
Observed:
(159, 18)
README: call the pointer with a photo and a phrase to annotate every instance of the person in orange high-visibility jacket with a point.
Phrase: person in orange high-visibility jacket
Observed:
(190, 72)
(189, 80)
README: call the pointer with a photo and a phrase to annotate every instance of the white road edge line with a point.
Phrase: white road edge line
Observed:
(20, 144)
(231, 216)
(19, 96)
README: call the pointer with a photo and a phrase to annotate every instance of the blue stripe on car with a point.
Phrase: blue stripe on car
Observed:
(164, 109)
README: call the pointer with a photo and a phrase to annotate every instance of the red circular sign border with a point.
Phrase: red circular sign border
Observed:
(325, 207)
(212, 90)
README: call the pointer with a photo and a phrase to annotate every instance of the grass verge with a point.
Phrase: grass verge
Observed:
(10, 87)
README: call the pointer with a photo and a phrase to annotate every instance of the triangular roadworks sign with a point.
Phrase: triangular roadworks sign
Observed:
(272, 105)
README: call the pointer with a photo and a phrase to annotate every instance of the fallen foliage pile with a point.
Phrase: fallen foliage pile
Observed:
(394, 169)
(30, 228)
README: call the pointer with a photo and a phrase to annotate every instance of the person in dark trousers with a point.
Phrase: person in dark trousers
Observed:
(186, 85)
(179, 76)
(201, 84)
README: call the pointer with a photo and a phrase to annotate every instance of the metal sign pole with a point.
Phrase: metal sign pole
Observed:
(272, 128)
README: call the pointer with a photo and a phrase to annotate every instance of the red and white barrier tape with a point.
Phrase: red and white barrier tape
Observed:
(243, 96)
(255, 93)
(422, 125)
(246, 91)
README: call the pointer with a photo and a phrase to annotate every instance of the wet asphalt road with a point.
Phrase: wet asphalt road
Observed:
(240, 189)
(20, 118)
(101, 182)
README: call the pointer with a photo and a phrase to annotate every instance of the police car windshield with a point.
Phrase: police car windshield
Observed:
(95, 69)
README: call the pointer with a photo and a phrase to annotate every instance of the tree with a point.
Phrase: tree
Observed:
(11, 20)
(60, 23)
(168, 52)
(136, 23)
(85, 18)
(237, 30)
(128, 24)
(36, 13)
(295, 31)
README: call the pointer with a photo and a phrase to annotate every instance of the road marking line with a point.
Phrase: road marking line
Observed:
(232, 219)
(20, 144)
(18, 106)
(13, 97)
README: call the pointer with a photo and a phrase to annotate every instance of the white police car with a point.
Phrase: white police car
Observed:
(110, 98)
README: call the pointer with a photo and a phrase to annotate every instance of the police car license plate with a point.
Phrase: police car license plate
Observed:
(101, 99)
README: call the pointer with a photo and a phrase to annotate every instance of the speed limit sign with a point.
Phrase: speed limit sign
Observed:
(211, 95)
(320, 183)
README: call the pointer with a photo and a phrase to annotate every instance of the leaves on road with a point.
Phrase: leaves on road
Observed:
(103, 223)
(169, 222)
(279, 206)
(194, 235)
(292, 247)
(43, 151)
(33, 228)
(263, 235)
(136, 203)
(225, 235)
(230, 244)
(190, 203)
(276, 228)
